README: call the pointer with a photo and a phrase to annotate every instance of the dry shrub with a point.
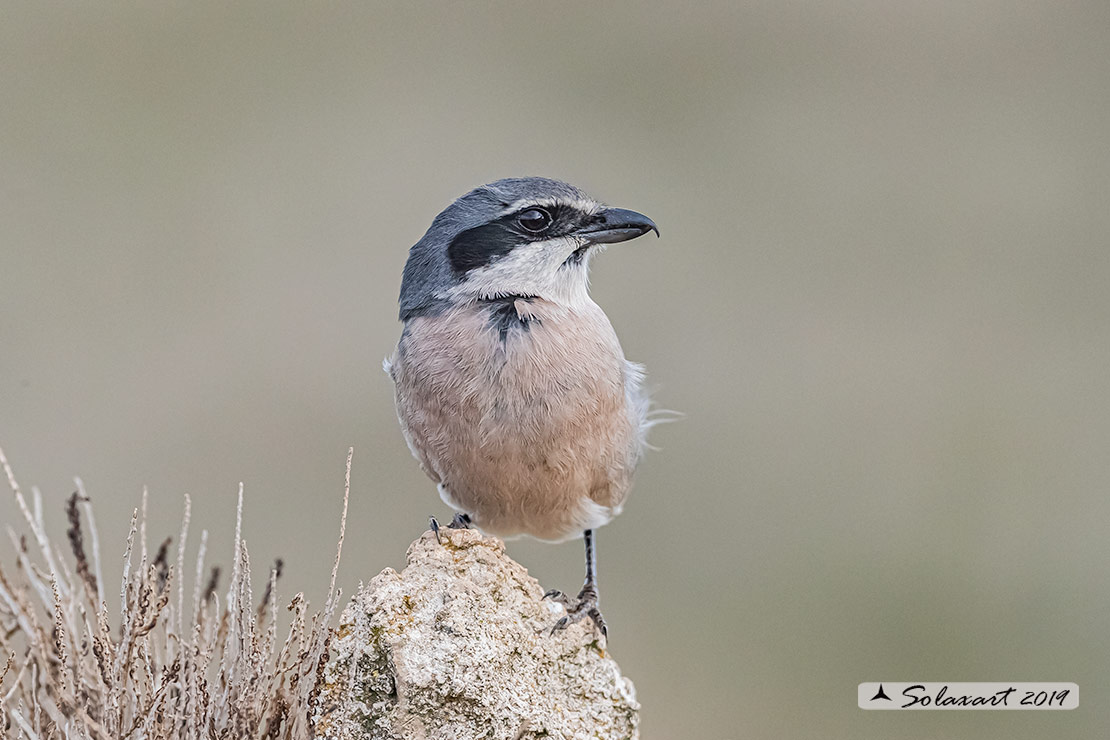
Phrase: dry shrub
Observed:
(210, 669)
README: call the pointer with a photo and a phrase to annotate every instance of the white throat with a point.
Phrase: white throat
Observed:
(541, 269)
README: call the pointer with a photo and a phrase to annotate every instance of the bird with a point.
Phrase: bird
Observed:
(510, 384)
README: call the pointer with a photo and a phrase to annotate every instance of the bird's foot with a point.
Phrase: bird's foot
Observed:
(459, 521)
(585, 606)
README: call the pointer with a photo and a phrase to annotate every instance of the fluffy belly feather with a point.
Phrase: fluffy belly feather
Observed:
(525, 413)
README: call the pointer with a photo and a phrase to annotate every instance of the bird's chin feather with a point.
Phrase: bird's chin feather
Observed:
(541, 269)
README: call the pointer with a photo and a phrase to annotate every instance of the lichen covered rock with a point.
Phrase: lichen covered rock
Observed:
(457, 646)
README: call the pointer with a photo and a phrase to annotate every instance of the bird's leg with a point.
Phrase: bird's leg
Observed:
(587, 603)
(459, 521)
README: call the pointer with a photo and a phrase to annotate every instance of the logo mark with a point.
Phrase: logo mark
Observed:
(880, 694)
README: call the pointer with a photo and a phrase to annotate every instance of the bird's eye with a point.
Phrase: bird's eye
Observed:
(535, 220)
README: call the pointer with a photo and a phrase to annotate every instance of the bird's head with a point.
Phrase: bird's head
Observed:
(527, 236)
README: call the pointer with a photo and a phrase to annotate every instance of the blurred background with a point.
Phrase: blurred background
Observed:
(881, 300)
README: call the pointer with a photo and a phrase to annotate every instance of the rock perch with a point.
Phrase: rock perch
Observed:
(457, 647)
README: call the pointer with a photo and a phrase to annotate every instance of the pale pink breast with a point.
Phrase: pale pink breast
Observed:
(529, 434)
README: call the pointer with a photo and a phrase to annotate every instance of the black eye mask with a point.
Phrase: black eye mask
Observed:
(485, 244)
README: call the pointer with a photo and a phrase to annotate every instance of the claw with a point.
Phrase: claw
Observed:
(599, 622)
(586, 606)
(560, 625)
(460, 521)
(558, 597)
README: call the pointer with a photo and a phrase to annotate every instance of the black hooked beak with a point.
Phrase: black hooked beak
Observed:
(616, 225)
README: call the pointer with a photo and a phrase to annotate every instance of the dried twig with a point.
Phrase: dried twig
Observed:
(215, 672)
